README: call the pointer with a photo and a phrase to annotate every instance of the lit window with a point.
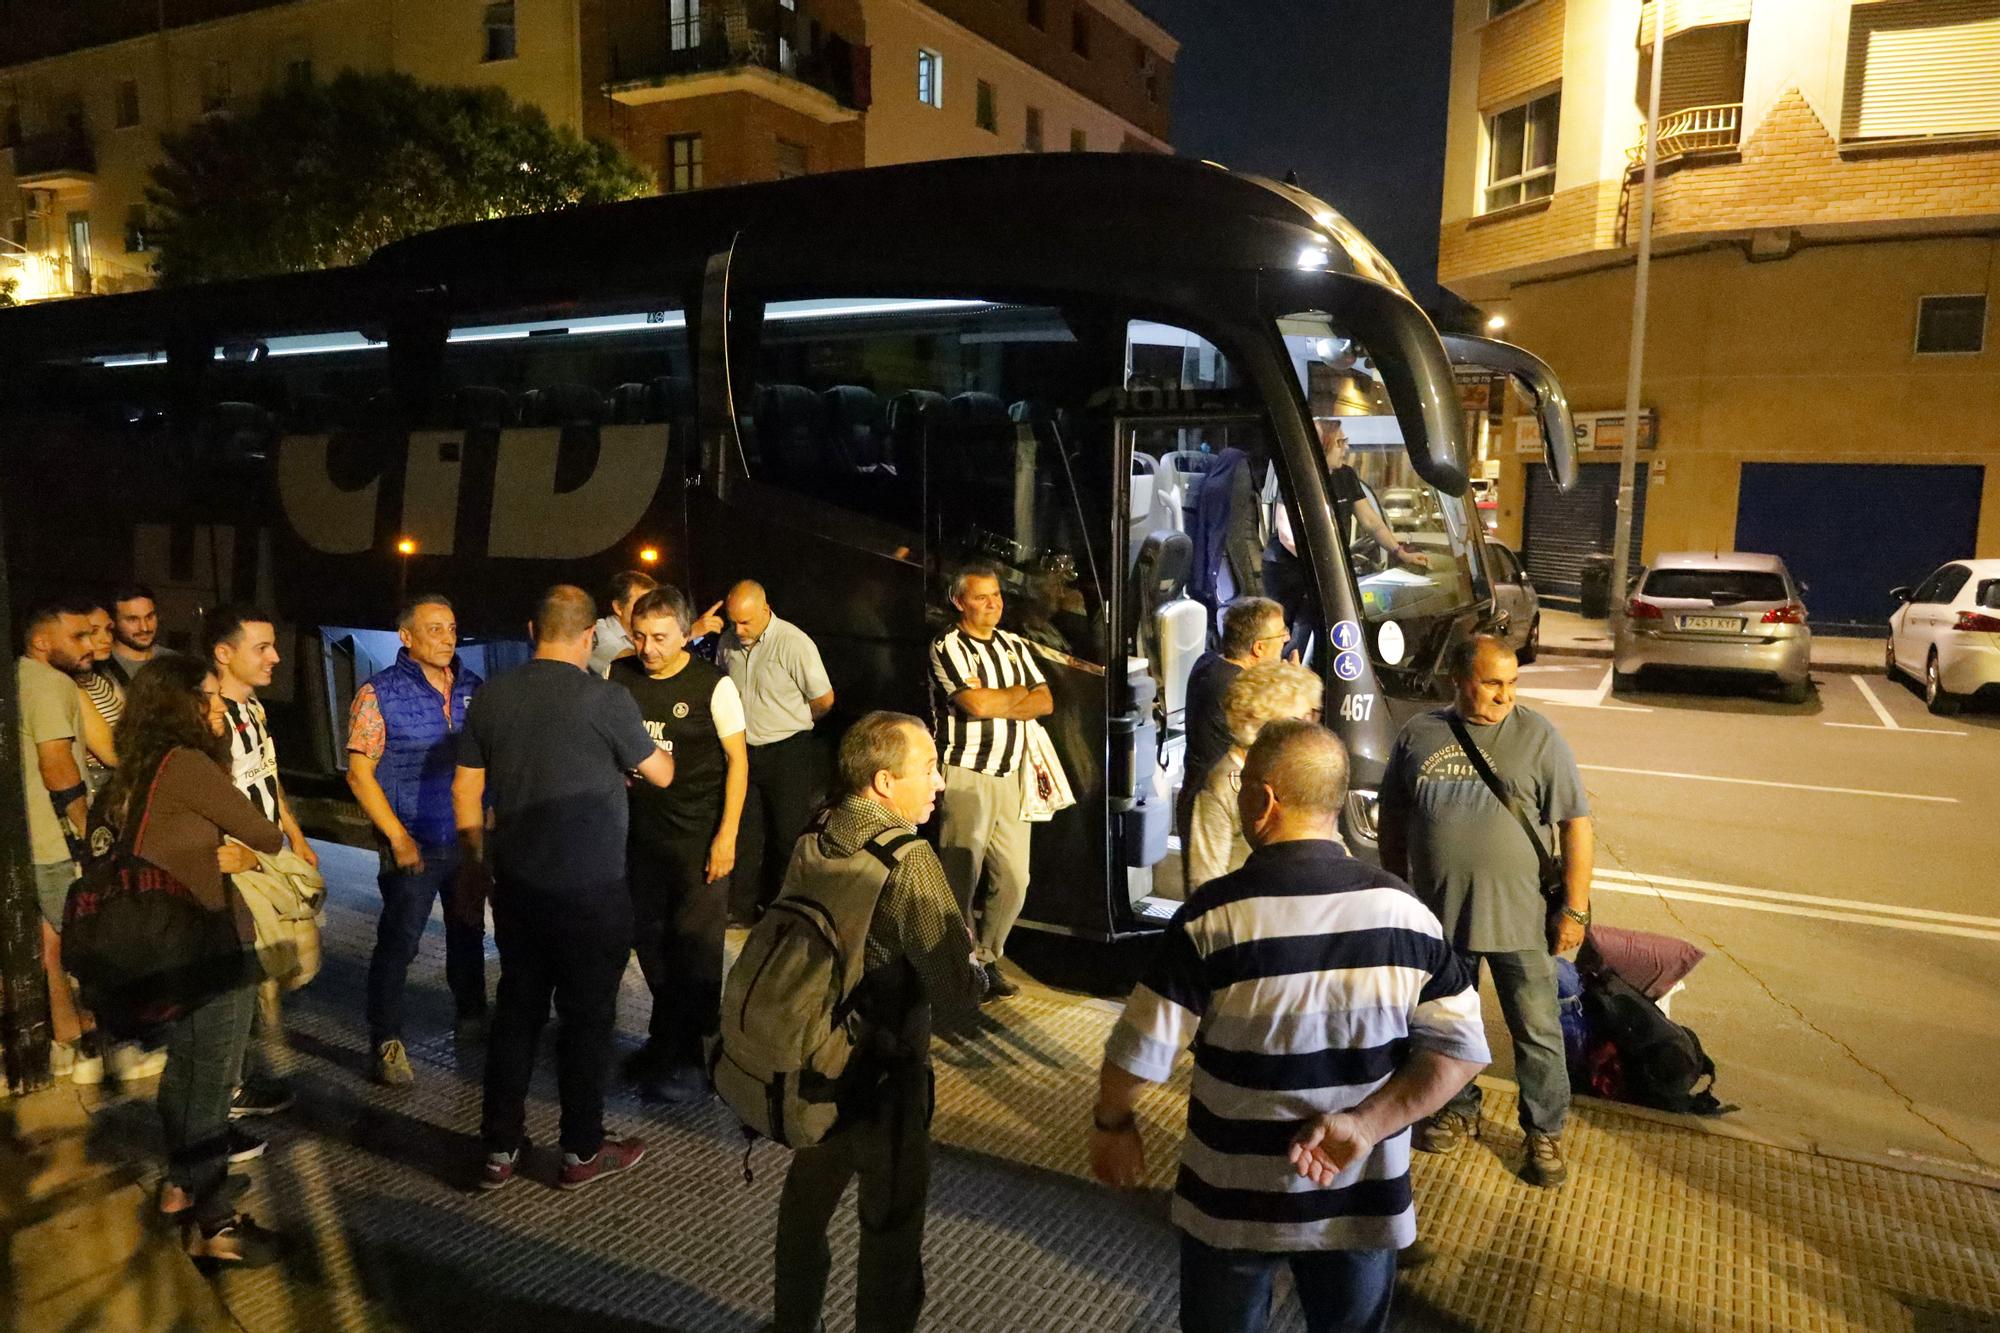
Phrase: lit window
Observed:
(1951, 324)
(1033, 141)
(684, 24)
(986, 114)
(683, 163)
(500, 44)
(930, 78)
(1521, 152)
(791, 159)
(127, 104)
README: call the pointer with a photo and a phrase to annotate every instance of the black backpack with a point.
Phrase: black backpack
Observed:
(1661, 1063)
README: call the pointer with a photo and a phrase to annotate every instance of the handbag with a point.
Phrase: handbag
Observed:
(1551, 869)
(287, 901)
(143, 950)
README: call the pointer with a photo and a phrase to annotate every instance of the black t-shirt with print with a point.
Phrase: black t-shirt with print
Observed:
(680, 709)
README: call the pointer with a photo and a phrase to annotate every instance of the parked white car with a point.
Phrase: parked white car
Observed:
(1946, 634)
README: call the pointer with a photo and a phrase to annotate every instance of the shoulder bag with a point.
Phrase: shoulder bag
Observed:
(1550, 864)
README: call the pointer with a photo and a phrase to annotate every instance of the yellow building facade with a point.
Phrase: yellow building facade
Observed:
(1821, 376)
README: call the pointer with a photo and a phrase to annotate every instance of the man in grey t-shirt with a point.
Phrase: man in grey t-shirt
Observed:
(1445, 832)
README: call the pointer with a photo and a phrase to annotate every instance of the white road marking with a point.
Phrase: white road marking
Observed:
(1782, 909)
(1765, 782)
(1881, 909)
(1900, 731)
(1875, 703)
(1594, 697)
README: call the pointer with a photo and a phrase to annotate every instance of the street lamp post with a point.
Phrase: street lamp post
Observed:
(1628, 456)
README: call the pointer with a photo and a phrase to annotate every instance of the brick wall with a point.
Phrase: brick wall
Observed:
(1521, 51)
(1111, 76)
(1577, 221)
(740, 133)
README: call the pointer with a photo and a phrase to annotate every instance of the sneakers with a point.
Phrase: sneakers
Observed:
(392, 1065)
(132, 1063)
(471, 1029)
(997, 985)
(237, 1243)
(498, 1171)
(259, 1099)
(676, 1086)
(1545, 1166)
(77, 1061)
(244, 1146)
(1443, 1132)
(613, 1156)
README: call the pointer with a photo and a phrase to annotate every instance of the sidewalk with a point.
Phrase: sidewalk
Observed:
(1662, 1227)
(1570, 635)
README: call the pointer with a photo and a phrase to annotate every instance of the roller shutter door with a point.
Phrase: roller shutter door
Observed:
(1853, 531)
(1560, 531)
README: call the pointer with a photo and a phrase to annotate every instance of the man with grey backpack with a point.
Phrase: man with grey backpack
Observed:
(826, 1025)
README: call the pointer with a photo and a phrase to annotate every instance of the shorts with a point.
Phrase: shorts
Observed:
(52, 883)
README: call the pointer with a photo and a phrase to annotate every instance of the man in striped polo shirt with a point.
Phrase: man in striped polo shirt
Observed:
(988, 689)
(1328, 1014)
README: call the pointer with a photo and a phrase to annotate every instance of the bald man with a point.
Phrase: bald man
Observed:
(777, 669)
(552, 746)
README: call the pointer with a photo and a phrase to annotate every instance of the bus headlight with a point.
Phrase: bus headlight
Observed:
(1363, 809)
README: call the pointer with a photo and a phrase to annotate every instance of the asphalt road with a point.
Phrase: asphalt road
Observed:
(1838, 860)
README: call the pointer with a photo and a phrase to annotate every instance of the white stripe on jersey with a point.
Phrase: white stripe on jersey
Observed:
(253, 756)
(993, 746)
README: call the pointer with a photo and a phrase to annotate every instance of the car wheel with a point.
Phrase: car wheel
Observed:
(1940, 702)
(1889, 659)
(1796, 692)
(1624, 682)
(1533, 644)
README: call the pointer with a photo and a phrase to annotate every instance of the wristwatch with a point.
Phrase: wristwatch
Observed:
(1581, 918)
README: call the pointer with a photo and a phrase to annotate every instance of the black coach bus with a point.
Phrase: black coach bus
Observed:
(843, 386)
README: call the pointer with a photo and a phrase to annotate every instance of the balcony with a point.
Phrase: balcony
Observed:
(1693, 132)
(747, 46)
(60, 159)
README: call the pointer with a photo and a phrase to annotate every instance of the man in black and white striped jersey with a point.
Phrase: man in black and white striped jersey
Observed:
(243, 646)
(989, 688)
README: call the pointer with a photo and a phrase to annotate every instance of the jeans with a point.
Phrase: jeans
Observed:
(569, 948)
(678, 921)
(1229, 1291)
(889, 1148)
(781, 788)
(1526, 985)
(981, 833)
(406, 911)
(204, 1051)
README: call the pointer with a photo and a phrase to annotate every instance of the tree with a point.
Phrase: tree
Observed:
(316, 175)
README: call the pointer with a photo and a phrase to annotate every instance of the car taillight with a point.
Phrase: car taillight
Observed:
(1978, 622)
(1638, 610)
(1789, 614)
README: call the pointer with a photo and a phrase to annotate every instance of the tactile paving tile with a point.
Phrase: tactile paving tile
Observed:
(1660, 1228)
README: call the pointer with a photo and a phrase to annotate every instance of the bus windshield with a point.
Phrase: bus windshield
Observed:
(1409, 546)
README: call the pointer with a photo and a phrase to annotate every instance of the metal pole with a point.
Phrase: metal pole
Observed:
(1635, 364)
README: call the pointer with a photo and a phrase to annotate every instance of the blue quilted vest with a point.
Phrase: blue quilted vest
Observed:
(419, 754)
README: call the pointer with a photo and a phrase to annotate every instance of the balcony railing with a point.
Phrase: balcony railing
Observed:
(63, 154)
(1696, 129)
(751, 34)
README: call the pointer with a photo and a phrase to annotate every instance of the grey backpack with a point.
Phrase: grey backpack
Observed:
(788, 1024)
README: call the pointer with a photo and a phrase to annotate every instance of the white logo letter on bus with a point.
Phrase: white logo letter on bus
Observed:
(530, 519)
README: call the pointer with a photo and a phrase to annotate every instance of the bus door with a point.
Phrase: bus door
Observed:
(875, 442)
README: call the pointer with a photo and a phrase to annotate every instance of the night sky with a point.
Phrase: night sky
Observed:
(1348, 93)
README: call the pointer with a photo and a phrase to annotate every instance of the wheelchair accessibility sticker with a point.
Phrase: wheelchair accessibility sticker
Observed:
(1347, 666)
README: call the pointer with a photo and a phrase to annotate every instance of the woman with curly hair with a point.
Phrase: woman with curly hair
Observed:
(1260, 694)
(171, 786)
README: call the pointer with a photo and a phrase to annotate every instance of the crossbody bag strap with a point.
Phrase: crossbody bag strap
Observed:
(1502, 794)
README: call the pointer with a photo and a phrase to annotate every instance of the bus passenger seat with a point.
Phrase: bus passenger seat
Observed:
(478, 407)
(855, 428)
(628, 405)
(317, 414)
(1169, 627)
(788, 434)
(672, 398)
(563, 405)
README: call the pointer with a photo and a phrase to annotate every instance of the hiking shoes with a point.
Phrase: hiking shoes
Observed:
(613, 1156)
(1545, 1166)
(1443, 1132)
(392, 1065)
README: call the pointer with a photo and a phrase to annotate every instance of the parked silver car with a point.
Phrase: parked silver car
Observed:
(1730, 612)
(1516, 604)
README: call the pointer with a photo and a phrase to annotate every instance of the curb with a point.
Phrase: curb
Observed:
(1605, 654)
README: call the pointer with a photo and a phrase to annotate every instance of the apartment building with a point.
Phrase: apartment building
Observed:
(700, 92)
(1821, 375)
